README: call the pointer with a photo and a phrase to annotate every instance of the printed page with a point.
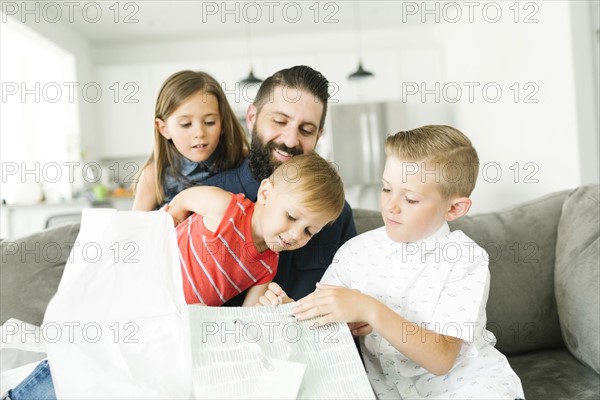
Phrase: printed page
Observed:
(232, 346)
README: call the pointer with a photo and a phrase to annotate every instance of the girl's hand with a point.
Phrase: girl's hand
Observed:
(334, 304)
(274, 296)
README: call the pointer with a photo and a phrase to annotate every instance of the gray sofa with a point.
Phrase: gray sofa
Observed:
(544, 302)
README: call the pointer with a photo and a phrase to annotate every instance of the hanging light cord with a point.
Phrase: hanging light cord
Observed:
(360, 73)
(357, 23)
(249, 44)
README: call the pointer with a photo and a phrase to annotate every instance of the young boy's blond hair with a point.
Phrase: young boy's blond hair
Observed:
(316, 180)
(440, 150)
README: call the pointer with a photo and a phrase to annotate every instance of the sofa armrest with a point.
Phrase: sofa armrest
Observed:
(577, 276)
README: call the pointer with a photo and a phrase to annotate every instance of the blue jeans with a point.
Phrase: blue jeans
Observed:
(38, 385)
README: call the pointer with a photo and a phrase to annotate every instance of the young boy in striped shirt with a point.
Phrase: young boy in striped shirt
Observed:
(230, 244)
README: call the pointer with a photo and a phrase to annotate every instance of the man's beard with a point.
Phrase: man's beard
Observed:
(261, 161)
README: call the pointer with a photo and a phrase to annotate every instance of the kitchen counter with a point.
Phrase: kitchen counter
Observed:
(23, 219)
(71, 203)
(18, 220)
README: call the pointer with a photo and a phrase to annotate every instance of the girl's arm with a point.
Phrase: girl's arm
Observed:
(253, 295)
(145, 200)
(431, 350)
(209, 201)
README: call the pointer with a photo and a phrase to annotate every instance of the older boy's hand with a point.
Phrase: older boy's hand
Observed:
(274, 296)
(333, 304)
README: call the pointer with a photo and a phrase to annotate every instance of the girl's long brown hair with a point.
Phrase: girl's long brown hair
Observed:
(233, 143)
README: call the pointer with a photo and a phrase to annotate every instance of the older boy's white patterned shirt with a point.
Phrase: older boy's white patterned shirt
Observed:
(440, 283)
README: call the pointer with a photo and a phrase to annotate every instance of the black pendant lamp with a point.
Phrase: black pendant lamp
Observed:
(250, 79)
(360, 73)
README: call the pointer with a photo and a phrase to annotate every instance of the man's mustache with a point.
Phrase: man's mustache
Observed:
(293, 151)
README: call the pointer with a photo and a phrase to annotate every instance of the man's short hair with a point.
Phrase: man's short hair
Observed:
(302, 77)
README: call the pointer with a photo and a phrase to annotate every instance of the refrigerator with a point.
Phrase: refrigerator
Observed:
(357, 135)
(358, 132)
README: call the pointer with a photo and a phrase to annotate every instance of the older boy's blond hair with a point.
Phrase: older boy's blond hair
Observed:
(316, 180)
(441, 150)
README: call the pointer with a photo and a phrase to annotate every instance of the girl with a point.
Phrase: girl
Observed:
(196, 134)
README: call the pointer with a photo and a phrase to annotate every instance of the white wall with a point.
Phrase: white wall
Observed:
(532, 140)
(83, 51)
(334, 55)
(537, 147)
(585, 28)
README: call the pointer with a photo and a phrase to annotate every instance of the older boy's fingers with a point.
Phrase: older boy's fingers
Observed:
(314, 299)
(322, 286)
(302, 305)
(321, 321)
(306, 311)
(314, 296)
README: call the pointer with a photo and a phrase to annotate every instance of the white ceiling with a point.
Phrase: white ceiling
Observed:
(144, 21)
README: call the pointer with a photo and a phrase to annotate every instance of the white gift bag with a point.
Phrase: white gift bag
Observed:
(118, 325)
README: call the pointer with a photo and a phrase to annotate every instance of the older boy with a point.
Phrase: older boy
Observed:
(420, 288)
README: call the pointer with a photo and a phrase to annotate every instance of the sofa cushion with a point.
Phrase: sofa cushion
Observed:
(555, 374)
(577, 276)
(521, 243)
(366, 220)
(31, 270)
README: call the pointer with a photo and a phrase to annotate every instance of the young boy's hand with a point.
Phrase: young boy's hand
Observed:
(334, 304)
(178, 214)
(360, 328)
(274, 296)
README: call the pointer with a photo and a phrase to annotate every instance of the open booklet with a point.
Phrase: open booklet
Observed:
(263, 352)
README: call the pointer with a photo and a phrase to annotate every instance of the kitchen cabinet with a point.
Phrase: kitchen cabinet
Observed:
(125, 111)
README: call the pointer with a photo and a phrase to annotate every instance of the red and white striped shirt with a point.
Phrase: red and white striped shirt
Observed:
(218, 266)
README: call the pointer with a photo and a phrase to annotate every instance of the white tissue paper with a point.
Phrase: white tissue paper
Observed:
(118, 325)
